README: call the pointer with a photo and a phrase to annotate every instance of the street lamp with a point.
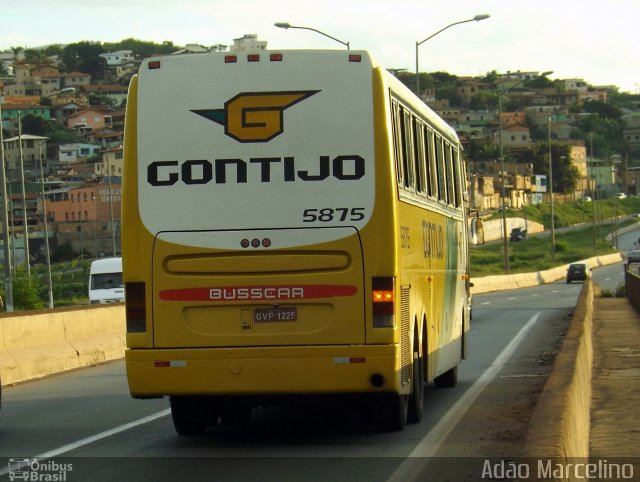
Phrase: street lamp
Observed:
(505, 241)
(287, 25)
(477, 18)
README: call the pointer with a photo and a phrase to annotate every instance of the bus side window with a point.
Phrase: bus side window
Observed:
(430, 159)
(407, 149)
(440, 167)
(418, 155)
(458, 172)
(397, 140)
(449, 170)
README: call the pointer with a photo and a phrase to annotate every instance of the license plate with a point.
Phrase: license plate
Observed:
(268, 315)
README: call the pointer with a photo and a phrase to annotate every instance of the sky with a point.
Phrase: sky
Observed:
(596, 41)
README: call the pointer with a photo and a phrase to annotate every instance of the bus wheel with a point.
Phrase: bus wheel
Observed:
(448, 379)
(416, 401)
(190, 415)
(236, 415)
(392, 411)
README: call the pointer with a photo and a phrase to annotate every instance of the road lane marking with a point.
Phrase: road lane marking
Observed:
(486, 303)
(412, 467)
(94, 438)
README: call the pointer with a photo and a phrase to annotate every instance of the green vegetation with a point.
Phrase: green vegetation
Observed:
(69, 281)
(534, 254)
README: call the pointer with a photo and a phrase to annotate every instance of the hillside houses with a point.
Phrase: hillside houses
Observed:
(91, 115)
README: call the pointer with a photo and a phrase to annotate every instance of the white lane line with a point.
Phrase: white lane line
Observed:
(94, 438)
(486, 303)
(512, 298)
(428, 447)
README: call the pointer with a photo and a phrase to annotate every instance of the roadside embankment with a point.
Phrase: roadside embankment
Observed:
(34, 344)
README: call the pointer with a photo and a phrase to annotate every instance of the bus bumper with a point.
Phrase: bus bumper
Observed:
(264, 371)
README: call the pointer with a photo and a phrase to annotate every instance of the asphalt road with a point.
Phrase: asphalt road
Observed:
(83, 425)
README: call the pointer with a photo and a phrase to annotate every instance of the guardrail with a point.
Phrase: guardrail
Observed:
(632, 284)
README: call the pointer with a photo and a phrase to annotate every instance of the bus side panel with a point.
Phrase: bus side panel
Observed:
(136, 263)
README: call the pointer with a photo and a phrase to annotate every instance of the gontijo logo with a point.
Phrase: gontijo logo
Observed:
(255, 117)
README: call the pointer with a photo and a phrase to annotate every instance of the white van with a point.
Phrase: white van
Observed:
(105, 281)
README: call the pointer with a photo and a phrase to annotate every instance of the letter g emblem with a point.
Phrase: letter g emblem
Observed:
(255, 117)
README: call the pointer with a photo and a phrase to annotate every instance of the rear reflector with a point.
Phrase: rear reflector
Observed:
(355, 58)
(275, 57)
(230, 59)
(170, 363)
(154, 64)
(135, 307)
(253, 57)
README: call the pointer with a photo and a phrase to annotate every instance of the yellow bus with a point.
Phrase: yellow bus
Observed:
(294, 226)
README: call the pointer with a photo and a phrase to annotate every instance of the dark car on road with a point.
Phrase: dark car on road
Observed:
(518, 234)
(578, 272)
(633, 256)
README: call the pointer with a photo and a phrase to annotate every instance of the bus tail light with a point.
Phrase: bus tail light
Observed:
(135, 307)
(383, 302)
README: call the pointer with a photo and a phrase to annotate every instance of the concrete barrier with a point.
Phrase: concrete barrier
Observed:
(34, 344)
(560, 427)
(487, 284)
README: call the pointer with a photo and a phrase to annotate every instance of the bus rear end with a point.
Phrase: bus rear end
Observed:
(249, 186)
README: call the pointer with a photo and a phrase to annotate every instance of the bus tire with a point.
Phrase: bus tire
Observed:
(448, 379)
(190, 415)
(416, 400)
(392, 412)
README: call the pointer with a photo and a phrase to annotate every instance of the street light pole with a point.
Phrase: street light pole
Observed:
(25, 220)
(287, 25)
(592, 180)
(505, 240)
(553, 230)
(46, 230)
(477, 18)
(113, 231)
(8, 282)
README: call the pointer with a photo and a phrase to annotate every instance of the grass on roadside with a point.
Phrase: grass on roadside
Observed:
(534, 254)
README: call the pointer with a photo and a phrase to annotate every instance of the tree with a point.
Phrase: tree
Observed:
(142, 49)
(491, 78)
(603, 130)
(565, 174)
(539, 82)
(35, 125)
(84, 57)
(37, 57)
